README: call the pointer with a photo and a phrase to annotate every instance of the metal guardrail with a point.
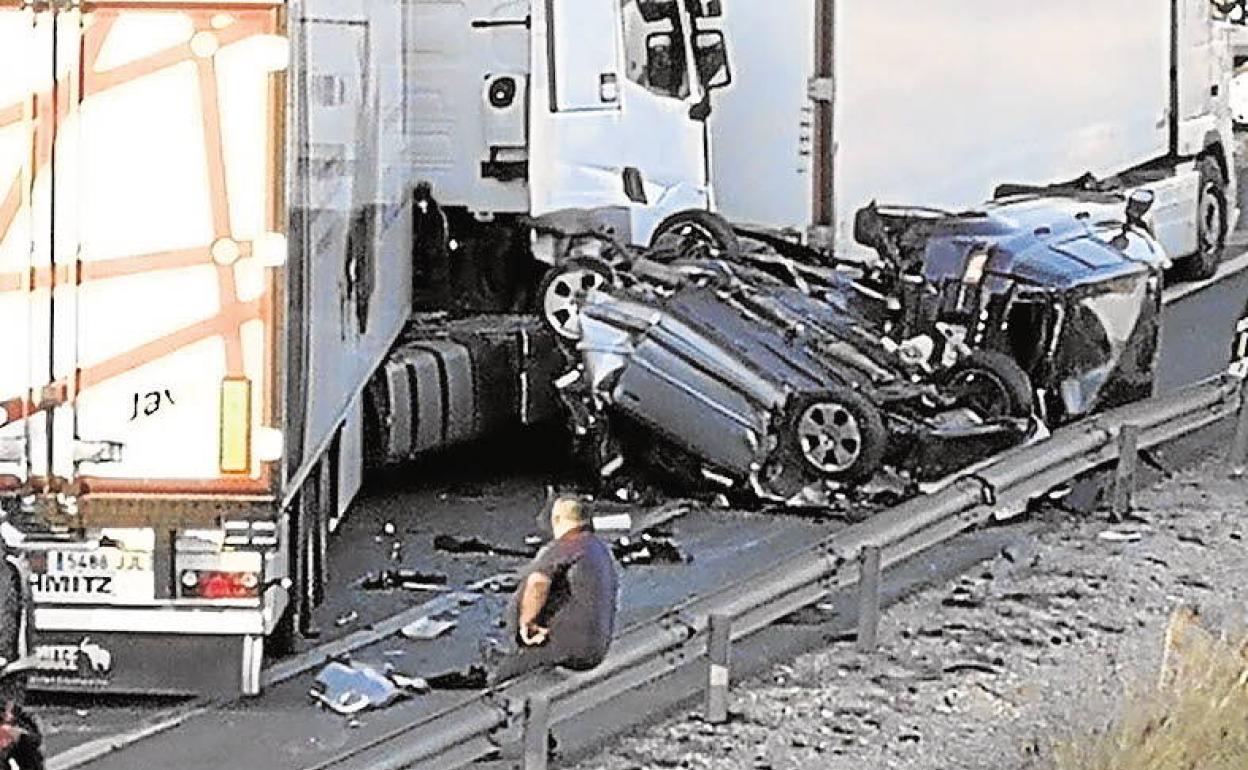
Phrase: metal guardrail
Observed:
(648, 651)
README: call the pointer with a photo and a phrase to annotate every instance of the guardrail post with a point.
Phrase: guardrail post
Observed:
(718, 650)
(868, 598)
(536, 732)
(1124, 474)
(1238, 456)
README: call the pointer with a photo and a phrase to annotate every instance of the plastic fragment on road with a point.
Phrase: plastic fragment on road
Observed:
(472, 545)
(649, 549)
(616, 522)
(426, 628)
(408, 579)
(349, 688)
(1120, 535)
(504, 582)
(411, 683)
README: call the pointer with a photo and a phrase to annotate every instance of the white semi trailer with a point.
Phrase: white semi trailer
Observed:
(836, 103)
(215, 219)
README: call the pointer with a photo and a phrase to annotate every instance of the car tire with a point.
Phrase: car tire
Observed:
(557, 295)
(835, 435)
(1211, 224)
(991, 383)
(700, 227)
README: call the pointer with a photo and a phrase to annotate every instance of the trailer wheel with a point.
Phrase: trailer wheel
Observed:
(561, 291)
(990, 383)
(837, 435)
(1211, 224)
(695, 226)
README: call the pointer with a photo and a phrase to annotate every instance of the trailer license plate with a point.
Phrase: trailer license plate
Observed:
(102, 575)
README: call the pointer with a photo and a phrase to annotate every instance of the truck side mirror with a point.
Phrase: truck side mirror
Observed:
(711, 54)
(1138, 205)
(664, 61)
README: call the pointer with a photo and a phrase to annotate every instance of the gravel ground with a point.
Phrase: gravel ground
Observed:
(1033, 647)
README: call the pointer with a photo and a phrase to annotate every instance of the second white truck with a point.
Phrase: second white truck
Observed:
(836, 103)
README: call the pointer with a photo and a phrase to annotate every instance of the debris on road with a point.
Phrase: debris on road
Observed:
(349, 688)
(504, 582)
(408, 579)
(649, 549)
(471, 545)
(427, 628)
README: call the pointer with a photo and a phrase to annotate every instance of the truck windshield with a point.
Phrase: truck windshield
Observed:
(654, 47)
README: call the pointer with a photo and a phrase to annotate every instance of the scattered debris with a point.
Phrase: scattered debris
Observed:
(426, 628)
(408, 579)
(649, 549)
(349, 688)
(504, 582)
(471, 545)
(388, 528)
(411, 683)
(616, 522)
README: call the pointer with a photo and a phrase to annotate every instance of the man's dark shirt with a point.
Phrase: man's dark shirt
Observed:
(580, 608)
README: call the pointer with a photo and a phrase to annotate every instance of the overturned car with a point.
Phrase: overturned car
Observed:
(770, 374)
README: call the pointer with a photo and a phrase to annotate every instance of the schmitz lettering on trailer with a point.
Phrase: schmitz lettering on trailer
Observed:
(99, 585)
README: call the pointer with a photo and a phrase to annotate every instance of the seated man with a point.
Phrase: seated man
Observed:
(563, 612)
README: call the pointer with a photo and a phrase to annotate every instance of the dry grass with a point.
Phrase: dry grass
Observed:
(1194, 717)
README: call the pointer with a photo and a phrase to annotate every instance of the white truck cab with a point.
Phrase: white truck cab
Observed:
(537, 107)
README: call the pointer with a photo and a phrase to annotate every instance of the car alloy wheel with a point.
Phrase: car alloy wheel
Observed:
(563, 291)
(830, 437)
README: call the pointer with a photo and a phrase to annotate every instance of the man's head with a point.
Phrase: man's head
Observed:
(566, 515)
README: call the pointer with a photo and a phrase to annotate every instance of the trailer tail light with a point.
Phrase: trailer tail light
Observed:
(214, 584)
(235, 425)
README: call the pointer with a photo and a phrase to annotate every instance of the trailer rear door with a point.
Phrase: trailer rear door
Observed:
(164, 231)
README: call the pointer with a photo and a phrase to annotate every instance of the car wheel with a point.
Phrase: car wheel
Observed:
(699, 227)
(838, 435)
(990, 383)
(1211, 224)
(563, 288)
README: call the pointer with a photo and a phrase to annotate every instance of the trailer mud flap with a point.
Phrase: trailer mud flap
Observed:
(156, 664)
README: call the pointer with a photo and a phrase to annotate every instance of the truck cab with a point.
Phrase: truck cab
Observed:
(537, 108)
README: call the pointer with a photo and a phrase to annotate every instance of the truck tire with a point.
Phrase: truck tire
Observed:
(699, 227)
(834, 435)
(990, 383)
(1211, 224)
